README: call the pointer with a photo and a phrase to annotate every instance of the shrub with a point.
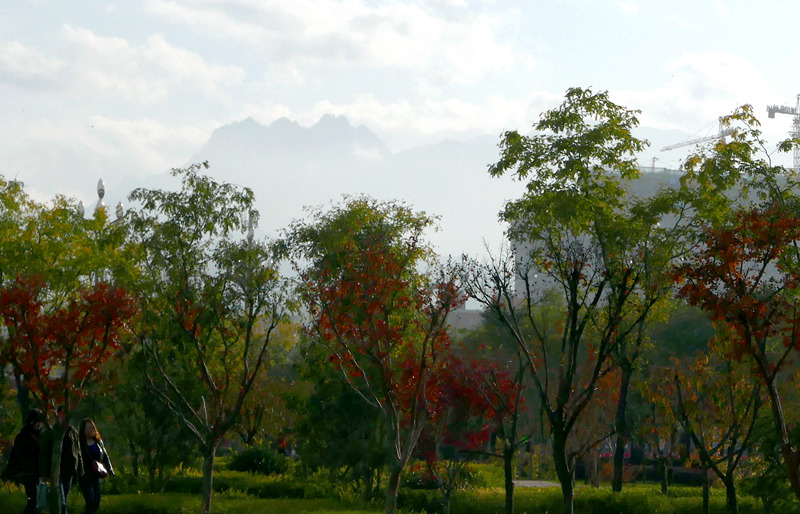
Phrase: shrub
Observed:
(265, 461)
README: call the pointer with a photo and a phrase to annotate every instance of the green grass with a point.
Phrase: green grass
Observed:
(635, 499)
(171, 503)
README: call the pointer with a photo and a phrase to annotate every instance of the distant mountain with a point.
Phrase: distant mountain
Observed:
(250, 145)
(290, 167)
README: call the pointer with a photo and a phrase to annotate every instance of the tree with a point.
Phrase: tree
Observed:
(749, 261)
(717, 404)
(494, 388)
(592, 243)
(745, 278)
(463, 424)
(381, 316)
(660, 427)
(63, 313)
(210, 304)
(336, 429)
(155, 439)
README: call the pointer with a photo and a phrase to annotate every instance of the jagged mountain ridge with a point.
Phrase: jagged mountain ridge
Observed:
(289, 167)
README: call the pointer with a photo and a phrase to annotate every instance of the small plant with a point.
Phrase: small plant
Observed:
(265, 461)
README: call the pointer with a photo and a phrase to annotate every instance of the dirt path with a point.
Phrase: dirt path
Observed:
(535, 483)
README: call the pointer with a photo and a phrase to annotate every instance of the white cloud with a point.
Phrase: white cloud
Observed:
(334, 33)
(702, 87)
(157, 146)
(721, 8)
(26, 66)
(133, 147)
(210, 19)
(146, 73)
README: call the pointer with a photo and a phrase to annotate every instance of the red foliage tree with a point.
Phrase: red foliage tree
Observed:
(58, 351)
(382, 319)
(495, 389)
(746, 276)
(460, 426)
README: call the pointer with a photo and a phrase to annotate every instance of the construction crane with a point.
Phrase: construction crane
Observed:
(795, 133)
(723, 132)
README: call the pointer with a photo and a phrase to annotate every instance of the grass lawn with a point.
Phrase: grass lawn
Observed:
(635, 499)
(14, 501)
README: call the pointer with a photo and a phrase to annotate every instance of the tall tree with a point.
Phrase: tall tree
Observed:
(210, 304)
(743, 279)
(580, 235)
(746, 272)
(63, 311)
(381, 315)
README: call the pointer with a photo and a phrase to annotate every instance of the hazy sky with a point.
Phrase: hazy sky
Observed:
(91, 88)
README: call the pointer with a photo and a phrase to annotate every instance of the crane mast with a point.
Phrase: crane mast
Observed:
(795, 133)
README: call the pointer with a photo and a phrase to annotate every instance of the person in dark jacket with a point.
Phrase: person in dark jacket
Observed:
(23, 463)
(71, 468)
(96, 464)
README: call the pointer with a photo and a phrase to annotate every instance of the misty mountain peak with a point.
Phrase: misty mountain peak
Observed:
(284, 123)
(332, 122)
(332, 137)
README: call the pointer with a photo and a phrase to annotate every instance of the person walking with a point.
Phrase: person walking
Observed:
(71, 468)
(23, 463)
(96, 463)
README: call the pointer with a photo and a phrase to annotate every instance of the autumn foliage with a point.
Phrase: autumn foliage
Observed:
(741, 277)
(746, 277)
(379, 302)
(58, 349)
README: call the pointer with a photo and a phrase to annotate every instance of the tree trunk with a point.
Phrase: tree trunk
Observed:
(55, 497)
(134, 460)
(23, 398)
(792, 461)
(508, 472)
(368, 484)
(209, 453)
(621, 429)
(151, 472)
(791, 458)
(730, 495)
(662, 465)
(706, 486)
(563, 471)
(391, 489)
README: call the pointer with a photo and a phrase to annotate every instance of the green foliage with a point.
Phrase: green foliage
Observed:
(687, 331)
(766, 476)
(211, 301)
(263, 460)
(336, 429)
(418, 476)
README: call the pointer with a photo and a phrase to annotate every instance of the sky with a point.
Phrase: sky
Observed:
(94, 89)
